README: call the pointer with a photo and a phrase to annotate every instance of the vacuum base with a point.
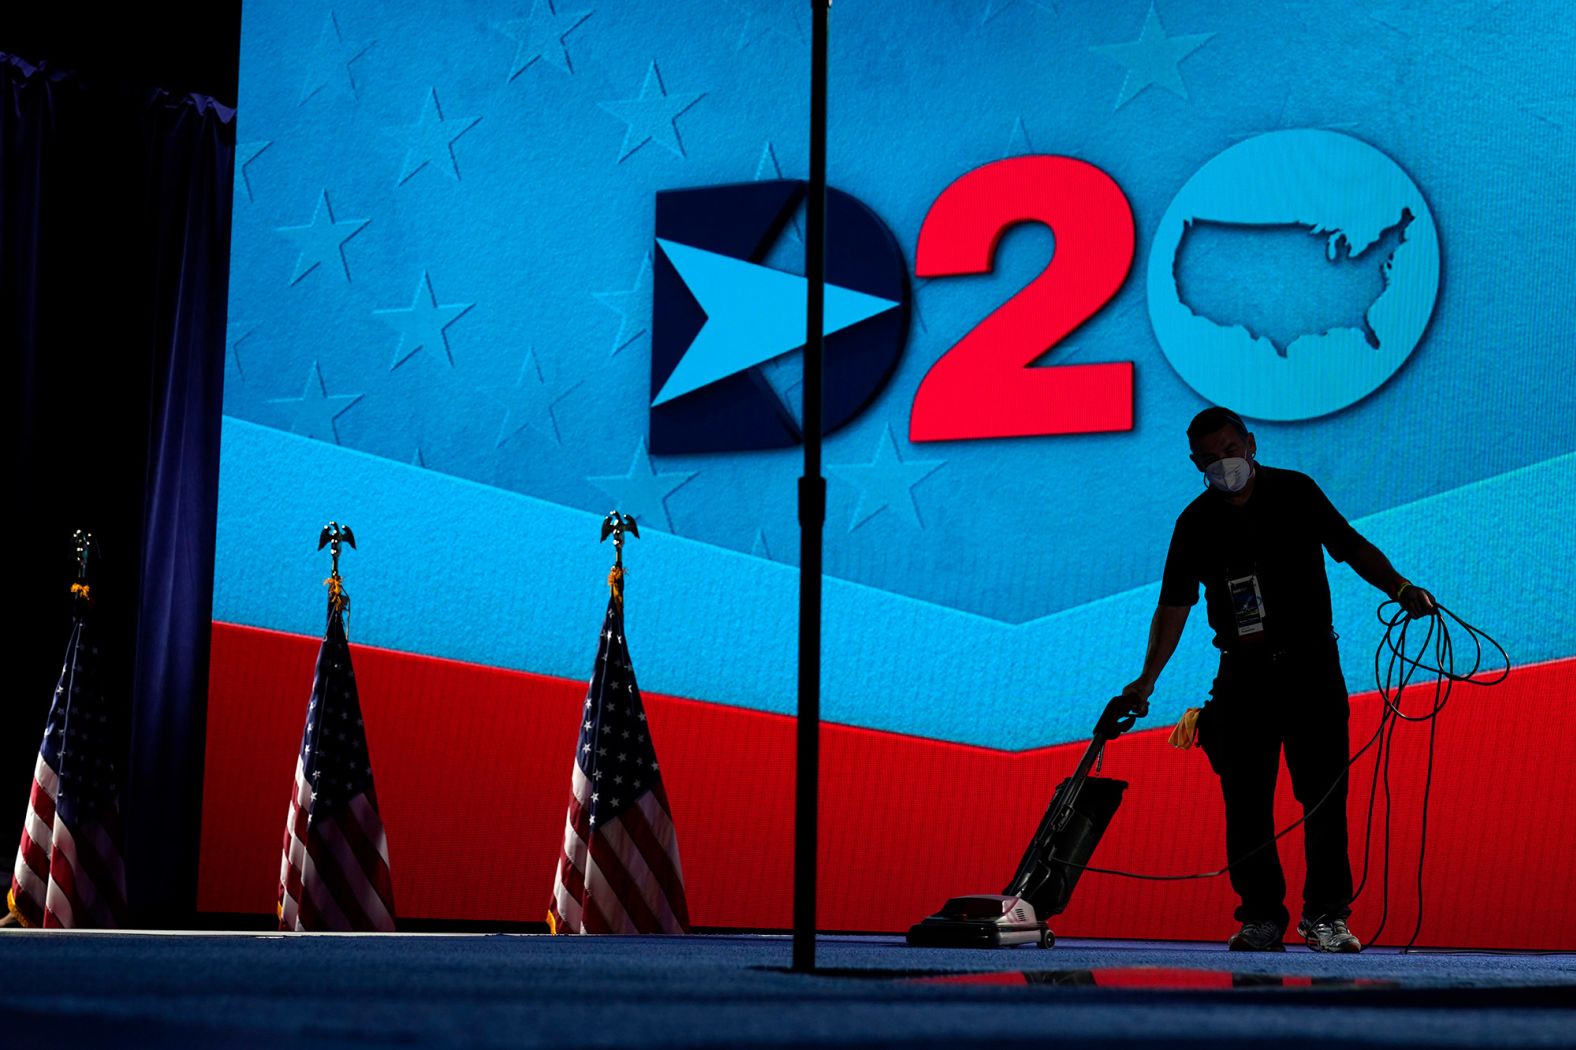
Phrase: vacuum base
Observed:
(982, 920)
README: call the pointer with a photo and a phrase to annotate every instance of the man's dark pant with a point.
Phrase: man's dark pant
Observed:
(1259, 703)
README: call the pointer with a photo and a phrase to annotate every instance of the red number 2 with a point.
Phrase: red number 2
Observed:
(983, 387)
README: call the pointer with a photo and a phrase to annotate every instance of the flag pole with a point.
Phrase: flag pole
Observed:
(812, 517)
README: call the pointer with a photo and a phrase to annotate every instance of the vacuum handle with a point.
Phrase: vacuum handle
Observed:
(1119, 716)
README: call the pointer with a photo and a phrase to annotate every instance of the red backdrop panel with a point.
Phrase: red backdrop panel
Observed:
(473, 763)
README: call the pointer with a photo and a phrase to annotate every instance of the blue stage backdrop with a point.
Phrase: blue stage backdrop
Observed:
(500, 267)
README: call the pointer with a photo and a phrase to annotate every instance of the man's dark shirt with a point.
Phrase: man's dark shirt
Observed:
(1275, 535)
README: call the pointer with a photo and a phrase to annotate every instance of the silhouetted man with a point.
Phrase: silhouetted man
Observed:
(1253, 539)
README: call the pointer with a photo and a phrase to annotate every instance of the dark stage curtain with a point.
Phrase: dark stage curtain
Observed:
(114, 264)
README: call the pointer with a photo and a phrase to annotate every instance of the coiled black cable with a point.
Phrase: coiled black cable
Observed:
(1392, 677)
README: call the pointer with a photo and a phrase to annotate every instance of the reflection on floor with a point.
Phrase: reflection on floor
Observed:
(307, 991)
(1160, 978)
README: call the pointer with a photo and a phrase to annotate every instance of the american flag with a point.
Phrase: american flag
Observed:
(619, 869)
(69, 872)
(335, 871)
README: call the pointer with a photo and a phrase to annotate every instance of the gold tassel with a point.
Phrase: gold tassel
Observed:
(552, 924)
(336, 593)
(10, 895)
(1185, 735)
(615, 580)
(80, 589)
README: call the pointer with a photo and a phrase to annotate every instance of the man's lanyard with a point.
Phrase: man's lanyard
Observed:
(1242, 586)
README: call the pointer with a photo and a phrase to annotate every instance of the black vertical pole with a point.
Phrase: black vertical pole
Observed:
(812, 517)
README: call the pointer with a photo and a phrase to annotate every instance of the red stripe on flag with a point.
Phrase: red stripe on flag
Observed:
(43, 804)
(568, 903)
(365, 807)
(291, 897)
(339, 883)
(640, 877)
(28, 905)
(62, 892)
(591, 920)
(658, 861)
(108, 907)
(574, 882)
(625, 891)
(294, 885)
(299, 820)
(374, 908)
(374, 872)
(83, 894)
(307, 917)
(33, 856)
(579, 818)
(662, 825)
(329, 915)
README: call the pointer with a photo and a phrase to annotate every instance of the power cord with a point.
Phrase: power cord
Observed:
(1392, 677)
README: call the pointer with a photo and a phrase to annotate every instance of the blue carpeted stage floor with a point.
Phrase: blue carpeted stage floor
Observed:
(240, 990)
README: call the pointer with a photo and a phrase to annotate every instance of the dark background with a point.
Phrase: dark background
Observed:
(80, 333)
(178, 46)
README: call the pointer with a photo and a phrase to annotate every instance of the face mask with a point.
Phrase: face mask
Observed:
(1228, 475)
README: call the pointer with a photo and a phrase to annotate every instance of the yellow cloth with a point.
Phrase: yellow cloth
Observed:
(1185, 735)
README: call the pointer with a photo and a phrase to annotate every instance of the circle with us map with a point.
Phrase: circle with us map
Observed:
(1324, 184)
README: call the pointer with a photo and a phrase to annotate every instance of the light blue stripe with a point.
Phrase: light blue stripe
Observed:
(463, 571)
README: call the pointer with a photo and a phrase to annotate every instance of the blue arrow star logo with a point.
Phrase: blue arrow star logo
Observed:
(753, 314)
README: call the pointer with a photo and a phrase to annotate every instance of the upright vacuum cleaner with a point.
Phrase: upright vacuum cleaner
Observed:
(1079, 813)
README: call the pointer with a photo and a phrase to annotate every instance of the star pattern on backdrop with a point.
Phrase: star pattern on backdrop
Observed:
(245, 153)
(529, 402)
(322, 240)
(550, 119)
(236, 333)
(886, 482)
(1429, 48)
(1153, 59)
(760, 548)
(541, 37)
(773, 16)
(1284, 121)
(768, 169)
(643, 492)
(422, 324)
(1018, 143)
(996, 7)
(314, 413)
(633, 306)
(785, 375)
(652, 116)
(430, 141)
(332, 60)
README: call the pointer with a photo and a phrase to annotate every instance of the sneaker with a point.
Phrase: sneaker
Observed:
(1258, 937)
(1332, 936)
